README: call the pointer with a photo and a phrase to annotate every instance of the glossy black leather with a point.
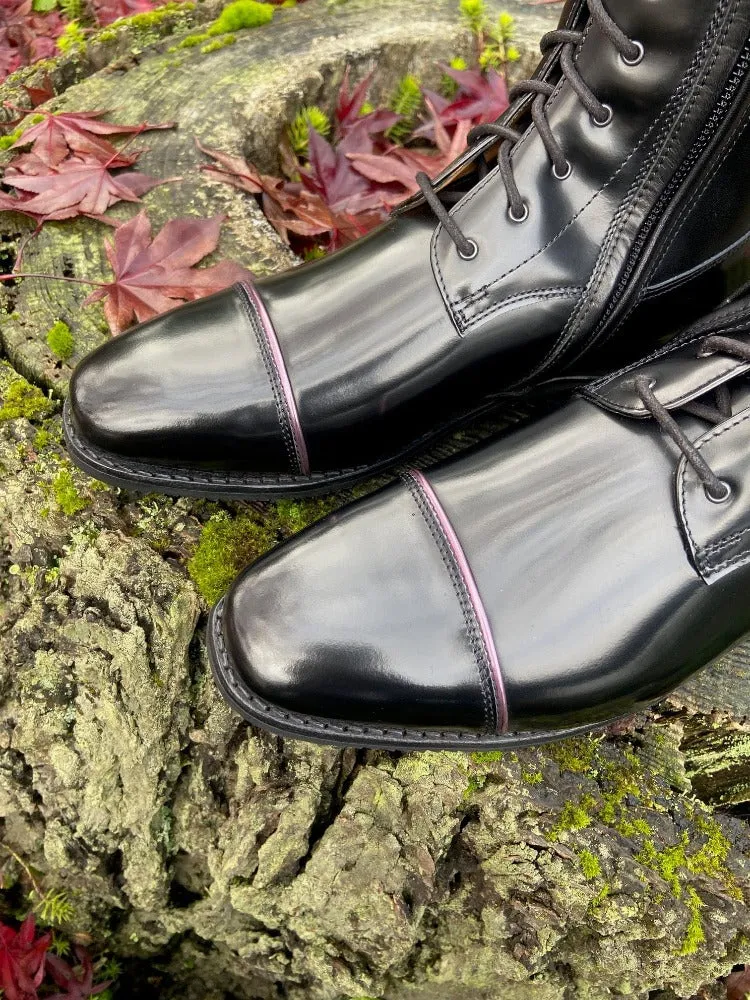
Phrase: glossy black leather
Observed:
(394, 336)
(606, 573)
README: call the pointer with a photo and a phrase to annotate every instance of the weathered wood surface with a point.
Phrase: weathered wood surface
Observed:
(219, 861)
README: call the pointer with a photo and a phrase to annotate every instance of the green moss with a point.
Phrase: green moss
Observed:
(532, 777)
(599, 898)
(226, 546)
(67, 497)
(72, 40)
(6, 141)
(145, 22)
(60, 340)
(490, 757)
(22, 400)
(633, 828)
(218, 43)
(694, 933)
(190, 41)
(242, 14)
(574, 817)
(41, 439)
(575, 755)
(590, 865)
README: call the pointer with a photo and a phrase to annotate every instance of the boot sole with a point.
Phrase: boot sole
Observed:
(140, 476)
(293, 725)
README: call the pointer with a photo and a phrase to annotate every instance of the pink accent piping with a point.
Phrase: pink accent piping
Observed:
(474, 596)
(286, 385)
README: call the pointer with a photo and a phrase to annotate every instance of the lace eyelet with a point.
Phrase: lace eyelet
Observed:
(724, 498)
(474, 251)
(607, 120)
(638, 58)
(520, 218)
(564, 176)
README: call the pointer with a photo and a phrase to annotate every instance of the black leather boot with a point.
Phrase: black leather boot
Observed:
(562, 577)
(617, 178)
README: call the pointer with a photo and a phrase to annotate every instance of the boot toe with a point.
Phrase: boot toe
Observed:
(187, 387)
(356, 621)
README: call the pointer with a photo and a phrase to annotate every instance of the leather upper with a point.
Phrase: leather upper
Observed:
(345, 361)
(604, 573)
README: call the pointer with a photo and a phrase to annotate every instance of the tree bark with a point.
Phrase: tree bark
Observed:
(218, 861)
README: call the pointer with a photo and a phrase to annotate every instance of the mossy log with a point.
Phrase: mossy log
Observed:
(220, 862)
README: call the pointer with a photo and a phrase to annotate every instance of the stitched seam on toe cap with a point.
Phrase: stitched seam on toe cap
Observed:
(297, 461)
(493, 692)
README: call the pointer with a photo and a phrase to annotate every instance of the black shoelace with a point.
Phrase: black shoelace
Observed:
(601, 114)
(716, 489)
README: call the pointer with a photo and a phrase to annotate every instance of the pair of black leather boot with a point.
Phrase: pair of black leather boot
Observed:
(568, 573)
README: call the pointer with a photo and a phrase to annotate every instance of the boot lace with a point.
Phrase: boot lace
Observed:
(601, 114)
(717, 490)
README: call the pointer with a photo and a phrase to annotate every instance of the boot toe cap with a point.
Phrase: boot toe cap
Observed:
(356, 621)
(187, 387)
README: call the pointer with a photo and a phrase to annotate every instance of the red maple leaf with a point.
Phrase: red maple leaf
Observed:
(331, 175)
(289, 207)
(349, 105)
(400, 165)
(75, 187)
(22, 957)
(481, 98)
(26, 36)
(108, 11)
(75, 987)
(79, 132)
(738, 984)
(42, 93)
(154, 276)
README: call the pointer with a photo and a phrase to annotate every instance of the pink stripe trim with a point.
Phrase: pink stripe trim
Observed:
(286, 386)
(473, 591)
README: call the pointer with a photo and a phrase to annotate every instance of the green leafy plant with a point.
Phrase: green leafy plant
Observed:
(299, 130)
(499, 51)
(406, 101)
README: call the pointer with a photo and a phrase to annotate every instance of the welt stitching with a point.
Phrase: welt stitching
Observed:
(476, 641)
(627, 208)
(558, 292)
(724, 542)
(739, 559)
(312, 725)
(273, 378)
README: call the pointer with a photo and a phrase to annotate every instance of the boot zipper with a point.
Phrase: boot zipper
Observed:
(712, 126)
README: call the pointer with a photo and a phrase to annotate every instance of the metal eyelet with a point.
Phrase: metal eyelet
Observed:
(564, 176)
(638, 58)
(604, 122)
(520, 218)
(474, 251)
(724, 498)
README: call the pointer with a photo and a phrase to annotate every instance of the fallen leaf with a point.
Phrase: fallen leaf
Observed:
(79, 132)
(75, 187)
(152, 276)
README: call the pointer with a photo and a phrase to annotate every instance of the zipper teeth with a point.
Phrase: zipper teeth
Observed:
(721, 108)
